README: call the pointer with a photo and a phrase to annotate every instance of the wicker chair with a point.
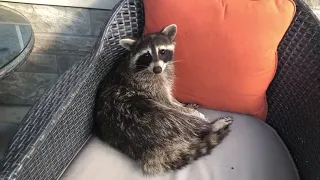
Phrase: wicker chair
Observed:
(60, 123)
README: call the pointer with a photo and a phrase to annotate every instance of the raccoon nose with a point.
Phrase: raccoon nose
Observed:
(157, 69)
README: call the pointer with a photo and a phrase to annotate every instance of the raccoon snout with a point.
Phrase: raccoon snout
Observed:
(157, 69)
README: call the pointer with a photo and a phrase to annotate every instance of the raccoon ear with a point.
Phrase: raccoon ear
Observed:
(170, 31)
(127, 43)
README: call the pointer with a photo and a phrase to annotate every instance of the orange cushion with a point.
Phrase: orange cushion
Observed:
(226, 49)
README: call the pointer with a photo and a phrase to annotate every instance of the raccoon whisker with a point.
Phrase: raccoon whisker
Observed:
(172, 62)
(143, 71)
(177, 61)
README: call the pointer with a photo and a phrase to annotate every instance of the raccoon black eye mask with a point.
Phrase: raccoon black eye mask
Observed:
(136, 113)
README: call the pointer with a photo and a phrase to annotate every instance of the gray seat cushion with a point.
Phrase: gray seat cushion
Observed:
(252, 151)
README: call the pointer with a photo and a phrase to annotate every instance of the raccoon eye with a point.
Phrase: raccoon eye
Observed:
(146, 55)
(162, 51)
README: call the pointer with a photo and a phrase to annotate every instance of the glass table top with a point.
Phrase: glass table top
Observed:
(15, 37)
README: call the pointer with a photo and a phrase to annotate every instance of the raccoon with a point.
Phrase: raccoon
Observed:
(137, 114)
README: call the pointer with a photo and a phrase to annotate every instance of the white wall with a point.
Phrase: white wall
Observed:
(98, 4)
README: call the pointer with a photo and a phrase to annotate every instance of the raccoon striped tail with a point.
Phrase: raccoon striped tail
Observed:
(183, 152)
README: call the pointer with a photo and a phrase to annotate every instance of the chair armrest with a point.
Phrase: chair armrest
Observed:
(294, 94)
(60, 123)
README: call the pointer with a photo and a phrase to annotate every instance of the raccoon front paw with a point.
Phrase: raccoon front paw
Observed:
(222, 123)
(192, 106)
(199, 114)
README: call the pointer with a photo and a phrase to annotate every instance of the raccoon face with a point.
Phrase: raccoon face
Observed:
(152, 52)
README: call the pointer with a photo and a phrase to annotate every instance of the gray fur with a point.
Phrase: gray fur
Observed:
(137, 114)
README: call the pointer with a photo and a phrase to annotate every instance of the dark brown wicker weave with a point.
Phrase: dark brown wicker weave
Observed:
(294, 94)
(59, 124)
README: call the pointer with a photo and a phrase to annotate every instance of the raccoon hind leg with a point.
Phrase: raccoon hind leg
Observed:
(173, 156)
(180, 138)
(221, 123)
(220, 129)
(184, 150)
